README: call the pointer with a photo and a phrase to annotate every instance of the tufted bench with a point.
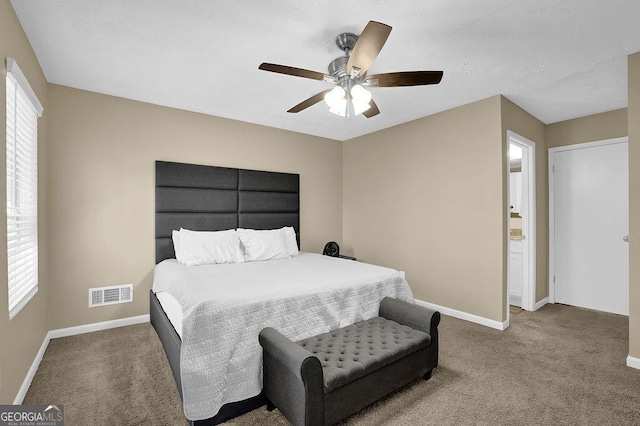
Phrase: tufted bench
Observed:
(325, 378)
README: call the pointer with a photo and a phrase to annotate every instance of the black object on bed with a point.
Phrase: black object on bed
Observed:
(209, 198)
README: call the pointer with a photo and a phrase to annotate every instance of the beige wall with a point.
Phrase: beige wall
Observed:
(21, 337)
(634, 204)
(427, 197)
(596, 127)
(102, 153)
(524, 124)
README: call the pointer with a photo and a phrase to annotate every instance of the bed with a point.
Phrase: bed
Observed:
(208, 317)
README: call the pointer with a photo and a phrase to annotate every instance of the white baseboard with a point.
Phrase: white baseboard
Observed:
(633, 362)
(71, 331)
(32, 371)
(540, 303)
(465, 316)
(97, 326)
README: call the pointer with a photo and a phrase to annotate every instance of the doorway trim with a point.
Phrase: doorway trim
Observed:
(552, 151)
(528, 300)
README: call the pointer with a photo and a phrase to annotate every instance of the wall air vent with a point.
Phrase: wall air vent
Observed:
(101, 296)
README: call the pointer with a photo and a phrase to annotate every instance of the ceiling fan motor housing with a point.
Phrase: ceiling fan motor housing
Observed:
(338, 67)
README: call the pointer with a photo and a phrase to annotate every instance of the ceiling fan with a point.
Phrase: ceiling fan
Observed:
(349, 74)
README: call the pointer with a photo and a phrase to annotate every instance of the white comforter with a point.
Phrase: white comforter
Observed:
(226, 306)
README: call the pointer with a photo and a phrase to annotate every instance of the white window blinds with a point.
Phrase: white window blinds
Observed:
(23, 109)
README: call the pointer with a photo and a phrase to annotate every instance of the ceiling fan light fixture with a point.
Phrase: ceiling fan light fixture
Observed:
(336, 99)
(359, 107)
(360, 97)
(335, 96)
(340, 109)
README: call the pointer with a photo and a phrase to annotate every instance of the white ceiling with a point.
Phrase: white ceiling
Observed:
(558, 59)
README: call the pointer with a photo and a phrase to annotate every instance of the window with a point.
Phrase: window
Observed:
(23, 110)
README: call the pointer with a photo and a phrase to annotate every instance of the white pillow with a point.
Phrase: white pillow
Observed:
(204, 247)
(290, 240)
(263, 245)
(175, 236)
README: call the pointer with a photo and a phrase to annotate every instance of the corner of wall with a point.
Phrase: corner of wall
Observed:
(633, 112)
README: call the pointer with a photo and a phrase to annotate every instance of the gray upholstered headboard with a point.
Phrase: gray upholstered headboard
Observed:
(208, 198)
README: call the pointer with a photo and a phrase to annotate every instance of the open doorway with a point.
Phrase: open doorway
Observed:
(521, 190)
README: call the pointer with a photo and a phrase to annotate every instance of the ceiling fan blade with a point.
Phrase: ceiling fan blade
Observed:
(368, 46)
(406, 78)
(309, 102)
(373, 111)
(296, 72)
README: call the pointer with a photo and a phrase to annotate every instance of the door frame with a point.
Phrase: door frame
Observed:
(551, 154)
(528, 300)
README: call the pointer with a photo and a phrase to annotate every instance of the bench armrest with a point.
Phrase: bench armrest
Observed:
(417, 317)
(289, 354)
(410, 314)
(293, 379)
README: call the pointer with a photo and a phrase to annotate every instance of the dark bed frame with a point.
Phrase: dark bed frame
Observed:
(208, 198)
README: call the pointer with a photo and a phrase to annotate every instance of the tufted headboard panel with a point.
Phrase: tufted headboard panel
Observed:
(209, 198)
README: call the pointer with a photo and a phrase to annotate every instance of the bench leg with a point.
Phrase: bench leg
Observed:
(427, 375)
(270, 406)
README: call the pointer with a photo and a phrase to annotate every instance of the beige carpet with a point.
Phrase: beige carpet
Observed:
(559, 365)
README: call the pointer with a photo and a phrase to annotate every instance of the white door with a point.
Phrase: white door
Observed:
(515, 191)
(515, 273)
(590, 224)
